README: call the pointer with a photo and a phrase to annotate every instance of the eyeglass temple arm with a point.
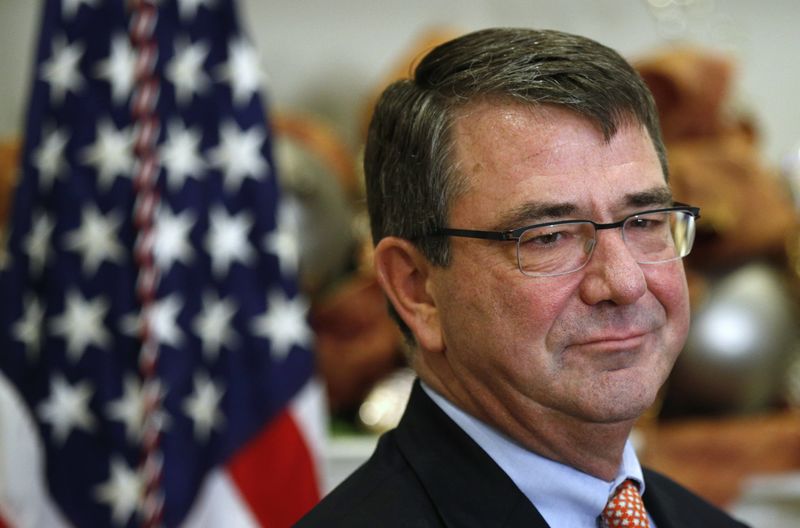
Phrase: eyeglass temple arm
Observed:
(692, 209)
(471, 233)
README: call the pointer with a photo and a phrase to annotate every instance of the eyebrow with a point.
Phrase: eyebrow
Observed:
(530, 213)
(657, 196)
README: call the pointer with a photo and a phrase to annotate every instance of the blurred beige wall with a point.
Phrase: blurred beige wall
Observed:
(324, 56)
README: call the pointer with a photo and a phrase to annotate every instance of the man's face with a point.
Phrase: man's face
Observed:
(594, 345)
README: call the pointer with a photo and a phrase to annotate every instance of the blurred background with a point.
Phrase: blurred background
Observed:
(726, 77)
(325, 58)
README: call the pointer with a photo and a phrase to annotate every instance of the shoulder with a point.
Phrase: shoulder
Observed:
(384, 491)
(670, 504)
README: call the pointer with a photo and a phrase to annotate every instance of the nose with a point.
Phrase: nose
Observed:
(612, 274)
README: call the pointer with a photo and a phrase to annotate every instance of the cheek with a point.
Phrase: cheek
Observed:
(668, 285)
(535, 304)
(494, 314)
(491, 316)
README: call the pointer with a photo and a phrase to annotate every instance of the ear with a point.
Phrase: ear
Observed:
(404, 274)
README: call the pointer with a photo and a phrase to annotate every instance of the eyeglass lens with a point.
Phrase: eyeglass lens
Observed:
(650, 237)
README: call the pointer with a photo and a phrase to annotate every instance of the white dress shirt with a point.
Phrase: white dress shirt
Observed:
(563, 495)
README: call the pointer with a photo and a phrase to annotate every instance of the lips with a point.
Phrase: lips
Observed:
(610, 344)
(608, 352)
(608, 328)
(612, 338)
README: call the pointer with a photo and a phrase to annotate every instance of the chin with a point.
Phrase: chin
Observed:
(615, 414)
(622, 402)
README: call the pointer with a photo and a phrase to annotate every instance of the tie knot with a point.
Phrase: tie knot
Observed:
(625, 508)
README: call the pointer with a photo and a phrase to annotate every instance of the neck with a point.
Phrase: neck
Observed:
(591, 447)
(595, 449)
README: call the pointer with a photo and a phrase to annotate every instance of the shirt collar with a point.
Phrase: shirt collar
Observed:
(563, 495)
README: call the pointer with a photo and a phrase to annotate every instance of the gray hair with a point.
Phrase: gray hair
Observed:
(411, 178)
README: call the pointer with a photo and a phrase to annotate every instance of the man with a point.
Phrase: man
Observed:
(528, 243)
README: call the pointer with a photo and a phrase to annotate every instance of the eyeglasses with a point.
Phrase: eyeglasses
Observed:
(558, 248)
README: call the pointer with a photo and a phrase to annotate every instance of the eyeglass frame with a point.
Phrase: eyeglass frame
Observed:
(516, 233)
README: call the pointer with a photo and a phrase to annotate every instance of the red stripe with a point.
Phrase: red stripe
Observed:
(275, 474)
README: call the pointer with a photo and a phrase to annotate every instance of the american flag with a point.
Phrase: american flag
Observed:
(155, 360)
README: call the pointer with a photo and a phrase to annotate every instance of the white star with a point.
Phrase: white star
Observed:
(122, 492)
(185, 70)
(180, 154)
(188, 8)
(213, 325)
(242, 71)
(119, 68)
(284, 324)
(284, 240)
(61, 69)
(111, 154)
(37, 241)
(130, 408)
(203, 406)
(70, 7)
(67, 408)
(163, 321)
(48, 157)
(226, 241)
(28, 329)
(171, 238)
(96, 239)
(238, 155)
(81, 324)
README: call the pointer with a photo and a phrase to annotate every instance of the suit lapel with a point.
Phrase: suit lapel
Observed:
(672, 506)
(669, 505)
(464, 483)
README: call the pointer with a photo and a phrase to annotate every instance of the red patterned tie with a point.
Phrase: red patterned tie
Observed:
(626, 508)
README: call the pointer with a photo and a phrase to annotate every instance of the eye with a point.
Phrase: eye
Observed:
(547, 239)
(552, 237)
(652, 222)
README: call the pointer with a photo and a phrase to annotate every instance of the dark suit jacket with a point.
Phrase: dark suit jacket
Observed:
(428, 472)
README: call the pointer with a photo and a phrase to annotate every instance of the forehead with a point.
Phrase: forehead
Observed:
(510, 153)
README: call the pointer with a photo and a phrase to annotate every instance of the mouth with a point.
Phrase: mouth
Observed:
(608, 353)
(612, 342)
